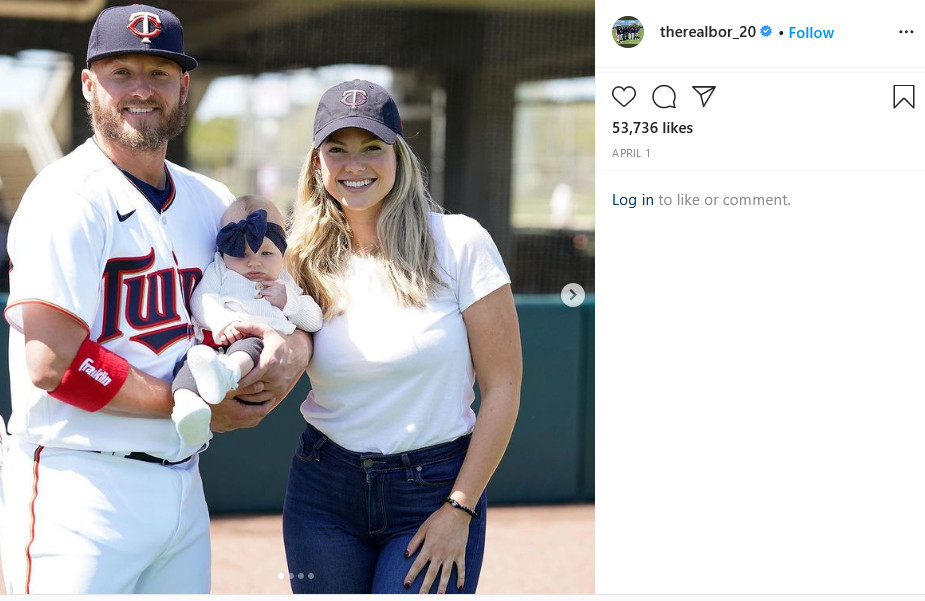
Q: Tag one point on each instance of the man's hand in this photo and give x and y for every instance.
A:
(282, 362)
(231, 414)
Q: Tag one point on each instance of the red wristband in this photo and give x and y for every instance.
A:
(93, 379)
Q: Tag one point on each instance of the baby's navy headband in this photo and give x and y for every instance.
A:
(254, 229)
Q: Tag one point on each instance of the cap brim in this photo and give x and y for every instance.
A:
(377, 128)
(187, 63)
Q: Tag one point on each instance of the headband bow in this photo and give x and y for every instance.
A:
(253, 230)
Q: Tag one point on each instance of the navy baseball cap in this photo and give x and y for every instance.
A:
(138, 29)
(357, 103)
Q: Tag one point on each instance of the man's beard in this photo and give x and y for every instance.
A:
(108, 122)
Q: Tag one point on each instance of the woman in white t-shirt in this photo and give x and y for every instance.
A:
(386, 491)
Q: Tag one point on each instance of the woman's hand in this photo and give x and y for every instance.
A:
(442, 539)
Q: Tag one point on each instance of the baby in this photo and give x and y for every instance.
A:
(245, 282)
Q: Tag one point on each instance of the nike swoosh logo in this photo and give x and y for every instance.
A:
(126, 216)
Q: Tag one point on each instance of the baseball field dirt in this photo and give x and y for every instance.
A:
(528, 550)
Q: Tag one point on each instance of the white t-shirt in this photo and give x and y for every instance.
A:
(389, 379)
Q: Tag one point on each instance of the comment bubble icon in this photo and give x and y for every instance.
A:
(664, 97)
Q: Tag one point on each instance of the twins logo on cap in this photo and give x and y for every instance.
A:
(145, 25)
(354, 98)
(357, 103)
(138, 29)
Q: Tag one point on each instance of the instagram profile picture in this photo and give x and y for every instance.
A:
(628, 32)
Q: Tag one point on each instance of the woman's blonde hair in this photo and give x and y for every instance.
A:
(320, 239)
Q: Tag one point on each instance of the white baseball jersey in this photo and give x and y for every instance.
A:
(87, 242)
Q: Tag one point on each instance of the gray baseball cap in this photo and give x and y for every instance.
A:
(138, 29)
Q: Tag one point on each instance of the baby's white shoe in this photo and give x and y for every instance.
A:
(192, 417)
(215, 374)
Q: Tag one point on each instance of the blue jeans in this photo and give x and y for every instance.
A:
(348, 517)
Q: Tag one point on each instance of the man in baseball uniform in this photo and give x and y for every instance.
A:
(101, 495)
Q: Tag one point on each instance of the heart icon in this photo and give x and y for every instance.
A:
(623, 95)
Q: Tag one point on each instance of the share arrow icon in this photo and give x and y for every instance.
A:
(705, 93)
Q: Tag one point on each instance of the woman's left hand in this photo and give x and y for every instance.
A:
(442, 539)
